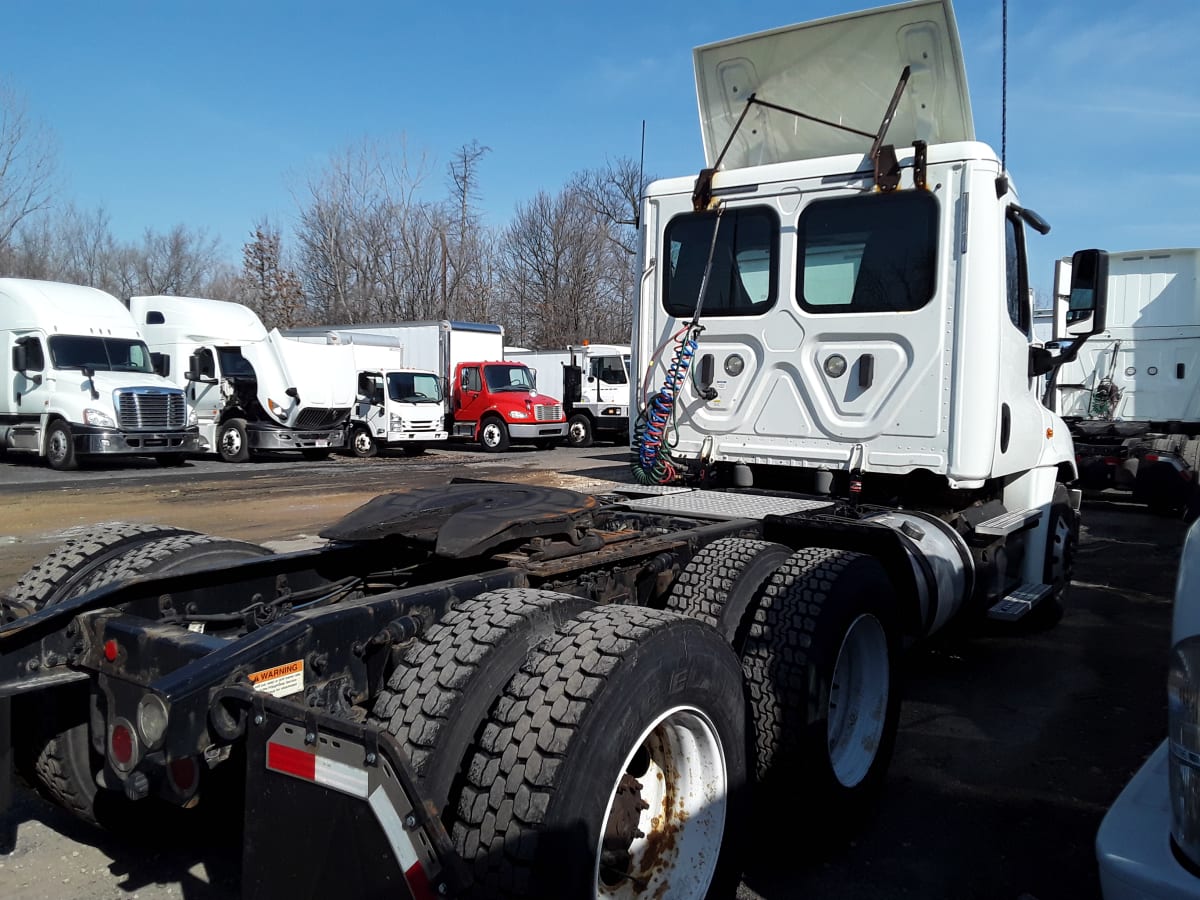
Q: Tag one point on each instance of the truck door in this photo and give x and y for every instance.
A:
(204, 390)
(470, 396)
(370, 405)
(33, 380)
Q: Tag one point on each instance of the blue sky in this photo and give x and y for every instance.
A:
(212, 114)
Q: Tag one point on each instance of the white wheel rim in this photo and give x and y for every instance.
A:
(858, 700)
(232, 441)
(491, 435)
(679, 767)
(578, 432)
(362, 441)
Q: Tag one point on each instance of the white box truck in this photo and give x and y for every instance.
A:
(252, 390)
(593, 382)
(397, 407)
(487, 399)
(78, 380)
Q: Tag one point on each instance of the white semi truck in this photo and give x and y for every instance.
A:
(252, 390)
(398, 407)
(1132, 397)
(593, 382)
(503, 690)
(78, 382)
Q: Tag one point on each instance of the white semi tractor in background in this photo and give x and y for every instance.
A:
(593, 382)
(78, 382)
(504, 690)
(251, 390)
(397, 407)
(1132, 396)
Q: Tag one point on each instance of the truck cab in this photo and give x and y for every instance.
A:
(497, 403)
(593, 382)
(251, 390)
(79, 382)
(396, 408)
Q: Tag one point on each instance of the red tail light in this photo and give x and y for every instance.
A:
(184, 773)
(122, 745)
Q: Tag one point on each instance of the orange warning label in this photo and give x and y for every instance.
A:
(280, 681)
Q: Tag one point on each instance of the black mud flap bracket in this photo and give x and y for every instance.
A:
(332, 811)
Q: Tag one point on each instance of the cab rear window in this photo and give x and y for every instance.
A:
(743, 280)
(868, 254)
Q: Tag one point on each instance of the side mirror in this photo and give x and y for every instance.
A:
(161, 363)
(1087, 301)
(20, 358)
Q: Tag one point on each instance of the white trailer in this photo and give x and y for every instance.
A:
(1131, 397)
(397, 407)
(593, 382)
(79, 382)
(252, 390)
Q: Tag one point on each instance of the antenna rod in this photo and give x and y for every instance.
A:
(1004, 87)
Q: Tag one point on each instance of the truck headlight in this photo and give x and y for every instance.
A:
(276, 410)
(517, 414)
(98, 418)
(1183, 731)
(193, 419)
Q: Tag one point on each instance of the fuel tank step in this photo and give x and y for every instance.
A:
(1008, 523)
(1019, 602)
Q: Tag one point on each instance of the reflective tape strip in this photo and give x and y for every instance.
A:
(310, 767)
(402, 845)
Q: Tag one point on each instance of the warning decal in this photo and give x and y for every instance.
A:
(280, 681)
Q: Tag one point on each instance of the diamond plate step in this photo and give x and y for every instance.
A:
(1008, 523)
(720, 505)
(1018, 602)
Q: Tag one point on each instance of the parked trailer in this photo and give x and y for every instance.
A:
(499, 690)
(78, 381)
(593, 380)
(250, 389)
(1131, 398)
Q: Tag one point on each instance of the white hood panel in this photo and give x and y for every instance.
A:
(842, 69)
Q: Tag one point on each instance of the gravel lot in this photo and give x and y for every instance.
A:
(1011, 747)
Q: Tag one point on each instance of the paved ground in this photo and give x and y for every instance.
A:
(1011, 747)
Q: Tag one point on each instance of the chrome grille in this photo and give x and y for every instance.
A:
(150, 409)
(316, 417)
(548, 413)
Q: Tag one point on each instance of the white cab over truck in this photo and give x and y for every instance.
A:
(1148, 845)
(397, 407)
(1132, 397)
(252, 390)
(78, 380)
(520, 691)
(593, 382)
(487, 399)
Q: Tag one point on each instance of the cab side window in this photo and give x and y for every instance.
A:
(471, 380)
(1015, 274)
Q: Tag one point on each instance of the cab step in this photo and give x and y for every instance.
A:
(1008, 523)
(1019, 602)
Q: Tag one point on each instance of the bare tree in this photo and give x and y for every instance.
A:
(28, 165)
(271, 289)
(179, 262)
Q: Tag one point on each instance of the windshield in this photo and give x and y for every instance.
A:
(100, 354)
(414, 387)
(508, 378)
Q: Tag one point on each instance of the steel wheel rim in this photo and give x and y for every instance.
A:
(858, 700)
(577, 432)
(231, 440)
(678, 764)
(491, 434)
(57, 451)
(362, 442)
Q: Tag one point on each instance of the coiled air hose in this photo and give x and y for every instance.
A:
(652, 444)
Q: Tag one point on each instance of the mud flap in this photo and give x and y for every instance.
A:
(328, 815)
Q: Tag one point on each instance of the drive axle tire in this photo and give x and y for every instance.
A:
(59, 754)
(720, 584)
(232, 443)
(1062, 536)
(449, 677)
(613, 765)
(821, 664)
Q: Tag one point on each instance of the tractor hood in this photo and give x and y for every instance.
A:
(842, 69)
